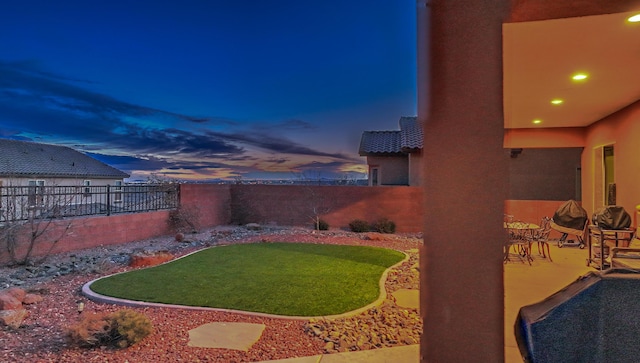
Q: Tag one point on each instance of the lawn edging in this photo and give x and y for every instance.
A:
(91, 295)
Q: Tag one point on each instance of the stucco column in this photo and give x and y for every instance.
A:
(460, 104)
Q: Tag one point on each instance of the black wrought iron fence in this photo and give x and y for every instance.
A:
(25, 202)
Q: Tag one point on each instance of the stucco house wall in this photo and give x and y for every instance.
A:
(415, 168)
(622, 130)
(392, 170)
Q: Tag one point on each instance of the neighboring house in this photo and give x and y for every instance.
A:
(29, 171)
(394, 157)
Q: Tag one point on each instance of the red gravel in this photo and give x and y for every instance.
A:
(41, 338)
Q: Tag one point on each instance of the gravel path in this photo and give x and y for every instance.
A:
(41, 338)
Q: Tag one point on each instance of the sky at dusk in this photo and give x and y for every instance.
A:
(202, 90)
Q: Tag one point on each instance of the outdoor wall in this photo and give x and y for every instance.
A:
(16, 182)
(208, 203)
(532, 211)
(211, 205)
(543, 138)
(545, 174)
(393, 170)
(89, 232)
(415, 168)
(338, 205)
(622, 130)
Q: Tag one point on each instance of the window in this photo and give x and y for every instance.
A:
(118, 191)
(374, 176)
(87, 188)
(36, 193)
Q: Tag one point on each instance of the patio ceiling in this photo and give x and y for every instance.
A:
(540, 57)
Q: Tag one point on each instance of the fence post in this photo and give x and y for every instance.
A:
(108, 200)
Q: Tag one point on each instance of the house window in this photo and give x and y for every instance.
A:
(86, 188)
(118, 191)
(374, 176)
(36, 193)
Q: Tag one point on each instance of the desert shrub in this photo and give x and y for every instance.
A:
(358, 226)
(120, 329)
(384, 225)
(321, 225)
(130, 327)
(91, 330)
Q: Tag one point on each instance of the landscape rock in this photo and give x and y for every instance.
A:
(253, 226)
(145, 259)
(32, 299)
(17, 292)
(9, 301)
(387, 325)
(13, 318)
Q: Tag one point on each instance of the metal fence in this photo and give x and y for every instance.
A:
(27, 202)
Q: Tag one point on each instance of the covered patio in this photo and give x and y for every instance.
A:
(525, 285)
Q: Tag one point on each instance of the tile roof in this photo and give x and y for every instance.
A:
(408, 139)
(24, 159)
(410, 133)
(380, 142)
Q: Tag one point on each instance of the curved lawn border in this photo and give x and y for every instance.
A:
(94, 296)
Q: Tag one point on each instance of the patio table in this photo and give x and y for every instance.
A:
(519, 233)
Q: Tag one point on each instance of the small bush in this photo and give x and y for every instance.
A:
(321, 225)
(130, 326)
(120, 329)
(384, 225)
(359, 226)
(91, 330)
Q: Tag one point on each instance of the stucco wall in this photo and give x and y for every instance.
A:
(545, 174)
(16, 182)
(622, 129)
(92, 232)
(415, 169)
(393, 170)
(213, 205)
(338, 205)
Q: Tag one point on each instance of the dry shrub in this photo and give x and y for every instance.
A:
(92, 329)
(120, 329)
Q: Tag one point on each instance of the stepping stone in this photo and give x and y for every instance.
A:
(238, 336)
(407, 298)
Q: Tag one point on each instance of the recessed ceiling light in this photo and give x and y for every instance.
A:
(634, 19)
(557, 101)
(537, 121)
(580, 76)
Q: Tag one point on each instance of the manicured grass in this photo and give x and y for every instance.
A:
(276, 278)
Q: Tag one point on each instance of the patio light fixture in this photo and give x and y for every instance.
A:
(634, 19)
(557, 101)
(537, 121)
(580, 76)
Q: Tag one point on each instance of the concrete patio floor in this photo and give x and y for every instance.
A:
(525, 285)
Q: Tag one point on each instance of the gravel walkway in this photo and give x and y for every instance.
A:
(41, 338)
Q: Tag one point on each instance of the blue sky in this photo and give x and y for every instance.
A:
(208, 89)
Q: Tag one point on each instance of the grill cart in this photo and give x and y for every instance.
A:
(570, 219)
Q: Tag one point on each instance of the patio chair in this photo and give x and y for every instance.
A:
(519, 241)
(541, 237)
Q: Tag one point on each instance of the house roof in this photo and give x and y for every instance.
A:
(380, 142)
(410, 133)
(408, 139)
(24, 159)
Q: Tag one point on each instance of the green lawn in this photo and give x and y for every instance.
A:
(276, 278)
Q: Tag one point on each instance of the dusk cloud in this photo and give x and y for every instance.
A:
(36, 104)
